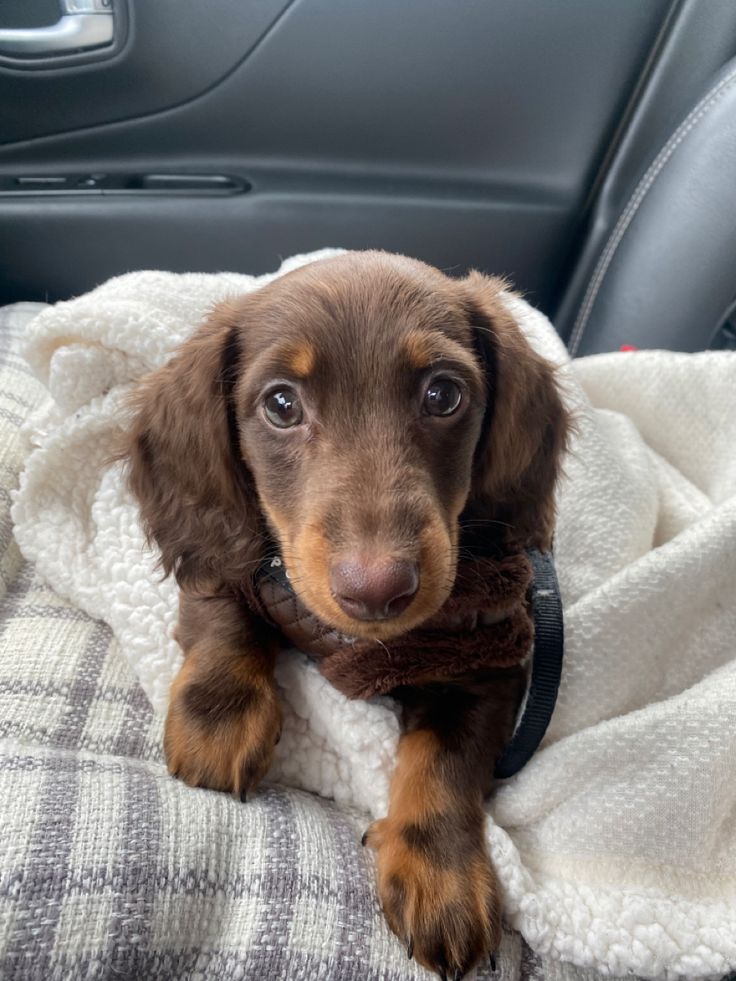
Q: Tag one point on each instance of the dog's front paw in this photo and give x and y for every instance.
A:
(221, 727)
(438, 890)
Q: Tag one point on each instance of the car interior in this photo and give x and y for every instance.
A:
(514, 137)
(582, 149)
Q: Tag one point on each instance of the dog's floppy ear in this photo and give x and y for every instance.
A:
(525, 431)
(185, 466)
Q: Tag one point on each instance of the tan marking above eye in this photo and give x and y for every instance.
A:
(425, 348)
(420, 349)
(301, 360)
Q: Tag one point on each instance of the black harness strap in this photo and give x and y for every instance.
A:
(546, 667)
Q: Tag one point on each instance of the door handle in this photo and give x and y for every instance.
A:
(83, 24)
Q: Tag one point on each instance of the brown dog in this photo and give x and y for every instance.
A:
(367, 417)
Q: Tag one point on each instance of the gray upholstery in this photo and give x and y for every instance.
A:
(667, 274)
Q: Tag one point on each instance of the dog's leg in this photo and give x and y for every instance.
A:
(224, 716)
(435, 880)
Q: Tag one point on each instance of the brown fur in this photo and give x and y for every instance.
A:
(519, 463)
(224, 716)
(368, 474)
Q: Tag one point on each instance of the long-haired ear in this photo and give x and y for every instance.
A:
(196, 494)
(525, 431)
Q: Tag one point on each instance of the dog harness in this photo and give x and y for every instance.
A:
(502, 613)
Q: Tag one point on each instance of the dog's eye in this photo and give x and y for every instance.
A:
(283, 408)
(442, 398)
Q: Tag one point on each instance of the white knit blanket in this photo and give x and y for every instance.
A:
(616, 845)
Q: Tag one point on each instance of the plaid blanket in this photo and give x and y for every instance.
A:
(111, 869)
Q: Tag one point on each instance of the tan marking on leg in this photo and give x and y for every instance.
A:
(416, 790)
(437, 887)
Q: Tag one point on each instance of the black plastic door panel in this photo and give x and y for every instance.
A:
(229, 134)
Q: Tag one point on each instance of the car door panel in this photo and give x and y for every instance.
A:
(467, 134)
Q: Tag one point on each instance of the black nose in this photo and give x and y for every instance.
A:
(375, 590)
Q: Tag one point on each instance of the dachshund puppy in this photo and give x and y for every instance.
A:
(367, 417)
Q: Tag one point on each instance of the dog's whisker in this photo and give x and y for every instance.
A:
(482, 523)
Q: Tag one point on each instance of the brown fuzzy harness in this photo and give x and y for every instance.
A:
(485, 623)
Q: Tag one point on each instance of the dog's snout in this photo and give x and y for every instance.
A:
(374, 590)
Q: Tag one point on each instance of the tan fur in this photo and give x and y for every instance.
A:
(415, 790)
(438, 889)
(224, 716)
(308, 557)
(302, 360)
(425, 347)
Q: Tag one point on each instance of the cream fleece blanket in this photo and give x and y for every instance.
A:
(616, 845)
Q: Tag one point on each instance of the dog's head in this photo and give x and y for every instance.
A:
(356, 411)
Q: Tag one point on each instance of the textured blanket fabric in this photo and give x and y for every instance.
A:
(616, 845)
(111, 870)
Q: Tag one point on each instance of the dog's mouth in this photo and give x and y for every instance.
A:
(371, 593)
(319, 634)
